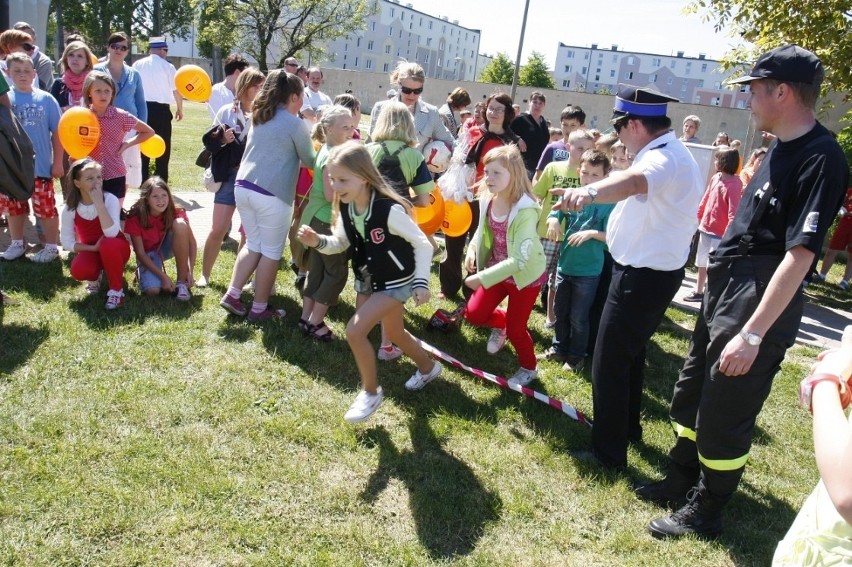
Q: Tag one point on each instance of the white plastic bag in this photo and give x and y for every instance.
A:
(211, 185)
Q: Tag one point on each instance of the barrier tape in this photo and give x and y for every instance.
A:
(568, 410)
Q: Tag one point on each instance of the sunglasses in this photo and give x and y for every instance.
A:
(619, 124)
(28, 46)
(291, 64)
(406, 90)
(118, 47)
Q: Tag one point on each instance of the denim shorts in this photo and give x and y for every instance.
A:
(225, 194)
(147, 278)
(401, 294)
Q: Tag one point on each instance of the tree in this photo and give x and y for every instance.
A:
(500, 71)
(822, 27)
(217, 26)
(292, 26)
(535, 73)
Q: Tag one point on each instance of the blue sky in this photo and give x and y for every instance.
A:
(662, 28)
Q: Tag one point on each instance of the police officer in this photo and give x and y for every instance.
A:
(753, 303)
(649, 234)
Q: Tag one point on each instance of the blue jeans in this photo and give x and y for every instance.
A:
(573, 301)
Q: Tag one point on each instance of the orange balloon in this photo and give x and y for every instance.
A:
(193, 83)
(457, 218)
(432, 226)
(153, 147)
(79, 131)
(426, 215)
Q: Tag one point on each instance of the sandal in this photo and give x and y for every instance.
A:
(323, 338)
(304, 326)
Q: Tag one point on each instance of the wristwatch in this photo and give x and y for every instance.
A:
(752, 339)
(593, 192)
(806, 389)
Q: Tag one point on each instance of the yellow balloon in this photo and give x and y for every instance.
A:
(79, 131)
(457, 218)
(193, 83)
(153, 147)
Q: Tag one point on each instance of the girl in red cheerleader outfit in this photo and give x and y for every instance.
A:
(90, 227)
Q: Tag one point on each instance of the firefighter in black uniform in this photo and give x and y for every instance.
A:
(753, 304)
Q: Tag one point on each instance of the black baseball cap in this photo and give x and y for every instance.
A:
(787, 63)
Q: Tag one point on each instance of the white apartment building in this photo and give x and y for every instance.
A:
(445, 49)
(694, 80)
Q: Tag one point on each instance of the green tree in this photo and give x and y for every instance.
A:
(500, 71)
(822, 27)
(535, 73)
(217, 26)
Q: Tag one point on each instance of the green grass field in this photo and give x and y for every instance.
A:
(175, 434)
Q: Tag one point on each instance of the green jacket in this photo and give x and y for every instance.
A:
(526, 260)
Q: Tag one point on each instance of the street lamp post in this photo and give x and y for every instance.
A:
(520, 48)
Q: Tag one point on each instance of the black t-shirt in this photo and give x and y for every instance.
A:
(535, 135)
(810, 176)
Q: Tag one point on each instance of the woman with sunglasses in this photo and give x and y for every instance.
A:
(129, 96)
(409, 79)
(15, 41)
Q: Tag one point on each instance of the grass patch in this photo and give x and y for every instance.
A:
(175, 434)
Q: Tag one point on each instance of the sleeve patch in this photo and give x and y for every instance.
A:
(811, 223)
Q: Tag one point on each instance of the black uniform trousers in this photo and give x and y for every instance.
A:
(450, 270)
(713, 414)
(160, 119)
(635, 305)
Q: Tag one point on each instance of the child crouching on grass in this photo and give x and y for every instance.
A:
(159, 230)
(390, 257)
(507, 257)
(90, 227)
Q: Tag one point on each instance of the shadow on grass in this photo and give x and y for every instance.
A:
(19, 342)
(41, 282)
(450, 506)
(137, 309)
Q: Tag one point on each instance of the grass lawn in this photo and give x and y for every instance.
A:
(175, 434)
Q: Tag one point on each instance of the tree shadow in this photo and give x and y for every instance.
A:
(450, 506)
(19, 342)
(137, 309)
(41, 282)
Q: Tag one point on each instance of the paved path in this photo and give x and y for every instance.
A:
(821, 326)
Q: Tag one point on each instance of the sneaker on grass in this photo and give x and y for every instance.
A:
(14, 251)
(496, 341)
(233, 305)
(844, 285)
(694, 297)
(183, 291)
(364, 406)
(389, 352)
(523, 377)
(45, 255)
(115, 299)
(419, 381)
(270, 313)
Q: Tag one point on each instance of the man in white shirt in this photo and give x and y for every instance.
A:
(649, 235)
(158, 82)
(223, 93)
(313, 97)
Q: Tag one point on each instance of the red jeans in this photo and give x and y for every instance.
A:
(111, 258)
(482, 311)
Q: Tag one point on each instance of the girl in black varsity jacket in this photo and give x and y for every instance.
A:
(390, 257)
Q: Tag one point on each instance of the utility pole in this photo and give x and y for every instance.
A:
(520, 48)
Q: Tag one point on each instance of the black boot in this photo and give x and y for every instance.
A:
(701, 516)
(672, 490)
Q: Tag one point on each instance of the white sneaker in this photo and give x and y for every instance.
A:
(390, 352)
(844, 285)
(93, 287)
(523, 377)
(364, 406)
(201, 282)
(183, 292)
(45, 255)
(418, 381)
(14, 251)
(115, 299)
(496, 341)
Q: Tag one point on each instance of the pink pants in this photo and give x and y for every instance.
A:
(111, 258)
(482, 311)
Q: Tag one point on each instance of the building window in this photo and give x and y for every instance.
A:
(369, 63)
(358, 42)
(612, 73)
(740, 104)
(400, 34)
(428, 42)
(426, 60)
(387, 49)
(372, 26)
(390, 32)
(430, 25)
(402, 16)
(344, 57)
(569, 53)
(670, 80)
(585, 70)
(597, 78)
(683, 89)
(653, 78)
(686, 81)
(697, 99)
(700, 83)
(567, 68)
(717, 85)
(356, 62)
(615, 58)
(631, 60)
(385, 67)
(656, 61)
(345, 47)
(704, 67)
(672, 63)
(586, 55)
(392, 12)
(566, 83)
(370, 45)
(628, 75)
(715, 101)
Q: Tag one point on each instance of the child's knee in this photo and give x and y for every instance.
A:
(152, 291)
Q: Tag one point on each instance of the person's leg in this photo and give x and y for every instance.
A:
(114, 253)
(481, 309)
(180, 246)
(377, 307)
(149, 282)
(701, 279)
(583, 290)
(273, 220)
(561, 310)
(520, 305)
(86, 266)
(162, 163)
(224, 205)
(450, 270)
(393, 323)
(249, 255)
(599, 302)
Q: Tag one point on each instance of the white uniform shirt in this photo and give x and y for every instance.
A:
(315, 99)
(655, 230)
(220, 95)
(158, 79)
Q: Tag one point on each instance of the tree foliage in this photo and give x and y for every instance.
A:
(820, 26)
(535, 73)
(217, 26)
(95, 20)
(500, 71)
(290, 26)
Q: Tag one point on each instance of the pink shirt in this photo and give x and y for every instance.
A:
(719, 204)
(115, 124)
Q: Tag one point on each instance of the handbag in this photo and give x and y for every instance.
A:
(211, 184)
(203, 159)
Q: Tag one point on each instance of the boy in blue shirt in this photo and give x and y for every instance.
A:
(38, 112)
(581, 257)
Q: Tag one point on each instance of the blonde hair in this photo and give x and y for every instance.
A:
(249, 77)
(580, 134)
(395, 123)
(354, 156)
(510, 157)
(90, 80)
(329, 117)
(406, 70)
(77, 46)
